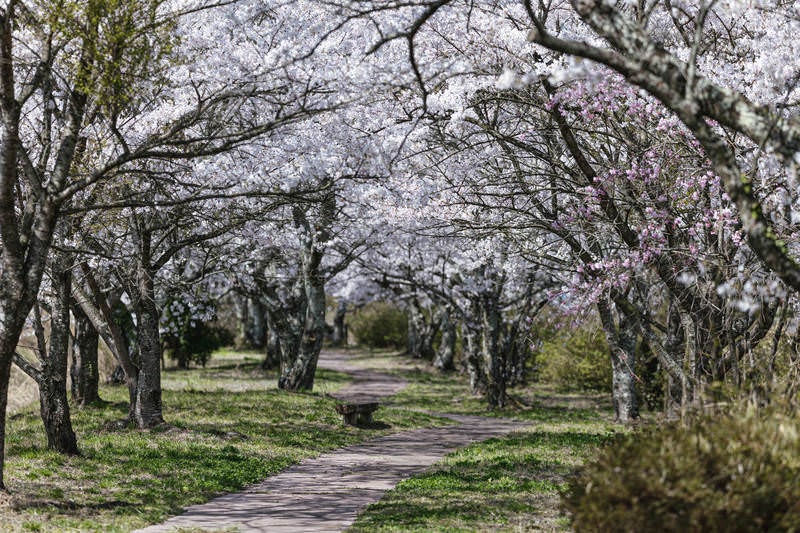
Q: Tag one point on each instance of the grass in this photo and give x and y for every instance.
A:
(228, 427)
(503, 484)
(449, 393)
(240, 371)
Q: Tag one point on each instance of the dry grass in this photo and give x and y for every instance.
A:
(23, 391)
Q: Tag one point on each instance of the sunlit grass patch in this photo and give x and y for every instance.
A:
(239, 371)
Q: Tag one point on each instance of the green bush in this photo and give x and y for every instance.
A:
(380, 325)
(187, 331)
(575, 359)
(733, 472)
(195, 344)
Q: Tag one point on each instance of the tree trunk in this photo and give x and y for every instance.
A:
(447, 346)
(673, 344)
(181, 359)
(13, 312)
(517, 359)
(623, 362)
(257, 327)
(493, 356)
(413, 336)
(290, 350)
(622, 346)
(241, 309)
(94, 303)
(18, 291)
(301, 374)
(339, 327)
(85, 373)
(53, 403)
(689, 329)
(472, 360)
(290, 331)
(8, 343)
(272, 357)
(421, 333)
(148, 411)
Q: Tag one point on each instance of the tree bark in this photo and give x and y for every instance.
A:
(148, 410)
(272, 357)
(53, 403)
(493, 356)
(290, 324)
(256, 323)
(300, 375)
(622, 346)
(623, 362)
(84, 372)
(98, 310)
(421, 333)
(412, 336)
(241, 309)
(339, 327)
(9, 335)
(447, 346)
(473, 361)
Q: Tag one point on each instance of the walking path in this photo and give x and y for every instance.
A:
(367, 384)
(328, 492)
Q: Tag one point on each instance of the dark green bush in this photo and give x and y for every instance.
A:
(575, 359)
(187, 331)
(195, 344)
(380, 325)
(732, 472)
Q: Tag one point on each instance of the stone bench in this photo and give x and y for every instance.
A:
(357, 413)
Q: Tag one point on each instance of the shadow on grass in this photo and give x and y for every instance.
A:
(375, 424)
(247, 365)
(19, 504)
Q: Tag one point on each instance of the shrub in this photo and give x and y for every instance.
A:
(187, 334)
(380, 325)
(576, 359)
(196, 343)
(733, 472)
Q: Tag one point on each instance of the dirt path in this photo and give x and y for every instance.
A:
(328, 492)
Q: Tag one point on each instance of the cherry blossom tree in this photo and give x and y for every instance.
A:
(94, 91)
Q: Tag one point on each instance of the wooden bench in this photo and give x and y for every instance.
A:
(357, 413)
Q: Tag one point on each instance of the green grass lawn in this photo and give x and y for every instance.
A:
(503, 484)
(228, 427)
(435, 391)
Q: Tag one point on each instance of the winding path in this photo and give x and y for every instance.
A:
(326, 493)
